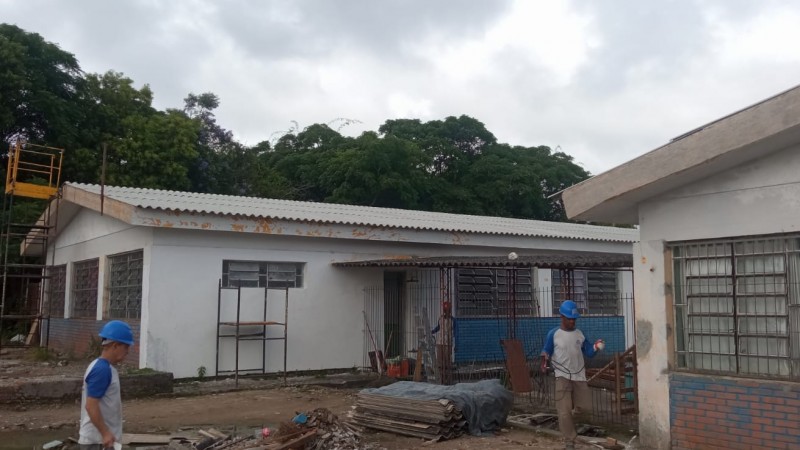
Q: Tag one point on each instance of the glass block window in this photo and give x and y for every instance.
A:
(84, 288)
(494, 291)
(595, 292)
(56, 290)
(125, 285)
(262, 274)
(737, 306)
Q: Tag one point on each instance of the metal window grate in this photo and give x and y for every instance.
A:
(272, 275)
(125, 285)
(494, 291)
(596, 293)
(56, 291)
(84, 288)
(737, 308)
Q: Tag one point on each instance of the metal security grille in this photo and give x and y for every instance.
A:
(56, 291)
(737, 306)
(272, 275)
(84, 288)
(125, 285)
(491, 292)
(596, 293)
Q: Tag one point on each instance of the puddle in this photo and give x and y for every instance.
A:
(27, 440)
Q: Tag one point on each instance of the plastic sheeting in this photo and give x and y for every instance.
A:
(484, 404)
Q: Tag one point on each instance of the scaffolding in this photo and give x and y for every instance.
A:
(33, 172)
(249, 330)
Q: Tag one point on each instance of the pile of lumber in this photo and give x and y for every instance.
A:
(429, 419)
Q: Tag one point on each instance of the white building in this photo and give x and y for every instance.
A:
(717, 277)
(157, 258)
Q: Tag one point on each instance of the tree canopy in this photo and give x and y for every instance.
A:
(452, 165)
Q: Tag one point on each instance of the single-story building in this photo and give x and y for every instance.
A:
(717, 277)
(175, 265)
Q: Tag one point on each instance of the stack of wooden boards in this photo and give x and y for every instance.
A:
(429, 419)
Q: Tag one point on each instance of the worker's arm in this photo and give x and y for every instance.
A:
(93, 409)
(548, 349)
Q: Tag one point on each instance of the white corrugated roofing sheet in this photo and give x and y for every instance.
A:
(332, 213)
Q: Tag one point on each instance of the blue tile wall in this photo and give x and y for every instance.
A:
(478, 339)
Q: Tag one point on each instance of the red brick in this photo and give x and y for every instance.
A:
(773, 400)
(788, 440)
(764, 406)
(738, 404)
(787, 424)
(786, 409)
(749, 398)
(752, 441)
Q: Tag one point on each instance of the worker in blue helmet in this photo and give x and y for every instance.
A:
(565, 348)
(101, 403)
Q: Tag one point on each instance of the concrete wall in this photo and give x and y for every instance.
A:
(759, 198)
(733, 413)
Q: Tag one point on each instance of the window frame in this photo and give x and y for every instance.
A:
(584, 292)
(84, 292)
(263, 274)
(56, 293)
(491, 283)
(131, 260)
(736, 305)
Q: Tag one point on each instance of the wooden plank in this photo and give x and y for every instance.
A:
(140, 438)
(299, 442)
(517, 366)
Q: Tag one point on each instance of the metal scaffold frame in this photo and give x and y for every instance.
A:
(256, 331)
(33, 171)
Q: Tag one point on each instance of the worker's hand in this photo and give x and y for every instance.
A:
(108, 439)
(599, 345)
(544, 365)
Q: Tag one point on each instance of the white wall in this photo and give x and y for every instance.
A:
(90, 235)
(762, 197)
(325, 319)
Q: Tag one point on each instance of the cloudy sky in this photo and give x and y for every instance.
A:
(603, 81)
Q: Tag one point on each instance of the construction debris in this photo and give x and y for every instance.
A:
(434, 420)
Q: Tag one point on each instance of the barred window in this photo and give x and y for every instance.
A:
(262, 274)
(494, 291)
(737, 306)
(84, 288)
(595, 292)
(56, 290)
(125, 285)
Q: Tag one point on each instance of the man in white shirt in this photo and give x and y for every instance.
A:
(101, 403)
(565, 347)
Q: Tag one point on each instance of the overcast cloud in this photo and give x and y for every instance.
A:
(603, 81)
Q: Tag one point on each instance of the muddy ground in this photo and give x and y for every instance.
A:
(242, 411)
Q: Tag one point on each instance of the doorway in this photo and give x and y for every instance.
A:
(393, 304)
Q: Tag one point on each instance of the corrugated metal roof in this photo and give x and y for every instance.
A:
(355, 215)
(553, 261)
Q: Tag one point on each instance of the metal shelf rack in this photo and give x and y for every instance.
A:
(250, 330)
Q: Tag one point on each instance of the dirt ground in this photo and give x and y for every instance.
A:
(241, 411)
(246, 411)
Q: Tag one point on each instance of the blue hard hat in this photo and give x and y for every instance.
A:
(118, 331)
(569, 310)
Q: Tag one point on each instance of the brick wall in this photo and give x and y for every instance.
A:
(709, 412)
(74, 336)
(478, 339)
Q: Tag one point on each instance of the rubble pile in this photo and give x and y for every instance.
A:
(319, 429)
(429, 419)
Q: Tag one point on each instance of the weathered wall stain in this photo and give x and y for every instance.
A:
(644, 337)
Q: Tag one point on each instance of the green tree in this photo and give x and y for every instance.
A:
(155, 151)
(39, 86)
(384, 172)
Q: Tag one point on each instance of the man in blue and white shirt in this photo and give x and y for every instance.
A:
(565, 347)
(101, 403)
